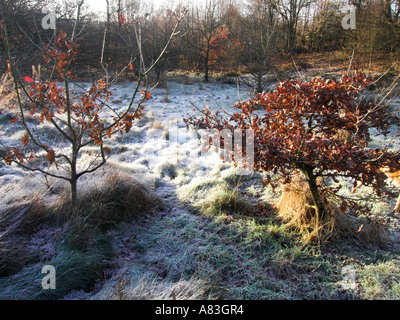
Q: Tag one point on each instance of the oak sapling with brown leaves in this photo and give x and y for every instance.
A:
(299, 127)
(76, 122)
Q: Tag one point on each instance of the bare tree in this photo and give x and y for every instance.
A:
(203, 25)
(324, 30)
(262, 41)
(290, 11)
(156, 31)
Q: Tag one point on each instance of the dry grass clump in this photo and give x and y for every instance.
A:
(168, 170)
(361, 230)
(222, 200)
(295, 208)
(119, 198)
(31, 238)
(7, 94)
(374, 234)
(147, 287)
(157, 125)
(13, 255)
(73, 239)
(16, 224)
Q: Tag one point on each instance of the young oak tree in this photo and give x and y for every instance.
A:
(301, 128)
(76, 122)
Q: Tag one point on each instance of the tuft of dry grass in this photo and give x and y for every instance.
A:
(147, 287)
(374, 234)
(119, 198)
(16, 225)
(295, 208)
(7, 94)
(74, 239)
(157, 125)
(222, 200)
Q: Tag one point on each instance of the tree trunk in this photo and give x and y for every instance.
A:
(291, 38)
(107, 43)
(259, 82)
(206, 69)
(74, 191)
(73, 177)
(312, 183)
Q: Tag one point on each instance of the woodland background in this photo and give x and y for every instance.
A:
(261, 37)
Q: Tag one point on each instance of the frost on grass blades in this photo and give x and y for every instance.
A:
(229, 146)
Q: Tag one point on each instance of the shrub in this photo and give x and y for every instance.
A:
(298, 130)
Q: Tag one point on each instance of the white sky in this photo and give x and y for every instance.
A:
(100, 5)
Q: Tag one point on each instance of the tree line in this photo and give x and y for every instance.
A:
(216, 35)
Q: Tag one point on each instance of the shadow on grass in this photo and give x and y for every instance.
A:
(211, 241)
(74, 240)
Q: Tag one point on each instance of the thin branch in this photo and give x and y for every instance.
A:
(29, 38)
(36, 169)
(80, 4)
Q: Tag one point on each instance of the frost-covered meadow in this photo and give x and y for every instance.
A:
(158, 139)
(213, 234)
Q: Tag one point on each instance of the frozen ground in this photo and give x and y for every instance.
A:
(160, 152)
(149, 145)
(168, 254)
